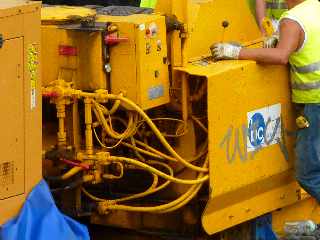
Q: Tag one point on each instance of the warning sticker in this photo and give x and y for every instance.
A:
(33, 63)
(264, 127)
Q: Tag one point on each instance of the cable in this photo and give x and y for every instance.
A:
(110, 176)
(168, 207)
(152, 189)
(114, 107)
(157, 132)
(103, 145)
(183, 124)
(73, 171)
(109, 130)
(159, 173)
(156, 151)
(133, 142)
(150, 154)
(201, 125)
(99, 114)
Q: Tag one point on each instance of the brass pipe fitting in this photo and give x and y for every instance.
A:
(61, 115)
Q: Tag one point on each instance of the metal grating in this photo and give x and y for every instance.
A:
(6, 173)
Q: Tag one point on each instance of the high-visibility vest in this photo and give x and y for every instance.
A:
(148, 3)
(275, 8)
(305, 62)
(252, 6)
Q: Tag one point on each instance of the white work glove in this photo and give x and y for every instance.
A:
(271, 42)
(228, 51)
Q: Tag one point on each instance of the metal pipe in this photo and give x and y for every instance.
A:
(185, 97)
(88, 123)
(61, 114)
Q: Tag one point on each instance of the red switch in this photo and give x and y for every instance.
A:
(112, 39)
(66, 50)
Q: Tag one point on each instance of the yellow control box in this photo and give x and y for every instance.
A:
(139, 66)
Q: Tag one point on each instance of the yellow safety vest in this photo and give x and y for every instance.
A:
(148, 3)
(275, 8)
(305, 63)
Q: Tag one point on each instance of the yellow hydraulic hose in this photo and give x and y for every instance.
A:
(127, 133)
(133, 142)
(94, 198)
(156, 209)
(73, 171)
(179, 202)
(131, 126)
(109, 130)
(99, 114)
(113, 109)
(202, 152)
(157, 154)
(103, 145)
(110, 176)
(152, 189)
(150, 154)
(157, 132)
(159, 173)
(183, 124)
(165, 156)
(185, 201)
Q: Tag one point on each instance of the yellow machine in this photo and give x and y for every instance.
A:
(138, 118)
(20, 89)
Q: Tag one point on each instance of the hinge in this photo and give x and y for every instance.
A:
(1, 40)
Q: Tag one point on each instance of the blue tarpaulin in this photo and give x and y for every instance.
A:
(40, 219)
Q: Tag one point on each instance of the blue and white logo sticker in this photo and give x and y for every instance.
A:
(264, 127)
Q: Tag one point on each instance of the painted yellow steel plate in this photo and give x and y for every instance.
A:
(63, 14)
(251, 137)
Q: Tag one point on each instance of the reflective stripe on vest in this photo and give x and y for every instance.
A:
(276, 5)
(305, 86)
(306, 69)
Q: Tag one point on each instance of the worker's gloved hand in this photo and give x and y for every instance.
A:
(271, 42)
(227, 51)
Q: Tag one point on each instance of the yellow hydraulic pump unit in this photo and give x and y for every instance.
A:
(142, 129)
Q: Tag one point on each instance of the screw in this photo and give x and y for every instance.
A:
(225, 24)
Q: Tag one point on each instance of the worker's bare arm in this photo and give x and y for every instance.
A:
(291, 38)
(260, 13)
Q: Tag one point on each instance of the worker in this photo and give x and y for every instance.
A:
(148, 3)
(298, 45)
(273, 9)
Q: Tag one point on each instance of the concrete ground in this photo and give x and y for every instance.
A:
(106, 233)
